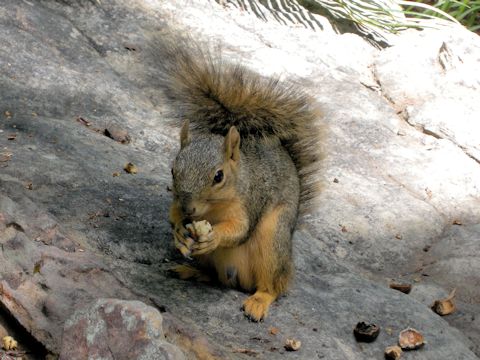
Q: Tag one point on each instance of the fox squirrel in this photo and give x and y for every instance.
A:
(248, 154)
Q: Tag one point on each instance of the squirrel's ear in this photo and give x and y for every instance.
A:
(185, 134)
(232, 144)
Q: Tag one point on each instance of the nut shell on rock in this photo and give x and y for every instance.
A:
(292, 344)
(445, 306)
(9, 343)
(393, 352)
(410, 339)
(130, 168)
(366, 332)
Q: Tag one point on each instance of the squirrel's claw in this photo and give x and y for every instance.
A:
(186, 252)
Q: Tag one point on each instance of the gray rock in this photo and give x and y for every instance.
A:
(437, 90)
(71, 232)
(116, 329)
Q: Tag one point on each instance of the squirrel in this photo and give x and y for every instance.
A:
(247, 162)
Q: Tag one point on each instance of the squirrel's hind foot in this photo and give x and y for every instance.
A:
(188, 272)
(255, 307)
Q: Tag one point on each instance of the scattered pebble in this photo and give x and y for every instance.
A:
(292, 345)
(117, 134)
(83, 121)
(402, 287)
(429, 193)
(245, 351)
(37, 267)
(273, 330)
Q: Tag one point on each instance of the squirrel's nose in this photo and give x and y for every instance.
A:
(186, 203)
(189, 211)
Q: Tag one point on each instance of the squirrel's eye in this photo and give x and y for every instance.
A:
(218, 177)
(171, 170)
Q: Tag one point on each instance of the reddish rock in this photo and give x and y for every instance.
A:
(116, 329)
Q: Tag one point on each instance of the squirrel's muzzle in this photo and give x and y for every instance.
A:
(186, 203)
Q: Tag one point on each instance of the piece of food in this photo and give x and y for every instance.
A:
(9, 343)
(273, 330)
(202, 227)
(410, 339)
(199, 228)
(393, 352)
(292, 344)
(445, 306)
(130, 168)
(366, 332)
(403, 287)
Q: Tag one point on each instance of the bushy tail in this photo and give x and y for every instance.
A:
(214, 95)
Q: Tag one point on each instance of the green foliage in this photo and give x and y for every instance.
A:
(379, 19)
(467, 12)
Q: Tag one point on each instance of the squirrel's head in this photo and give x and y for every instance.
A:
(205, 171)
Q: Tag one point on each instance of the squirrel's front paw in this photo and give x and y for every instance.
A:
(183, 241)
(205, 244)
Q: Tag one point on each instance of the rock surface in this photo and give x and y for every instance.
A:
(116, 329)
(401, 195)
